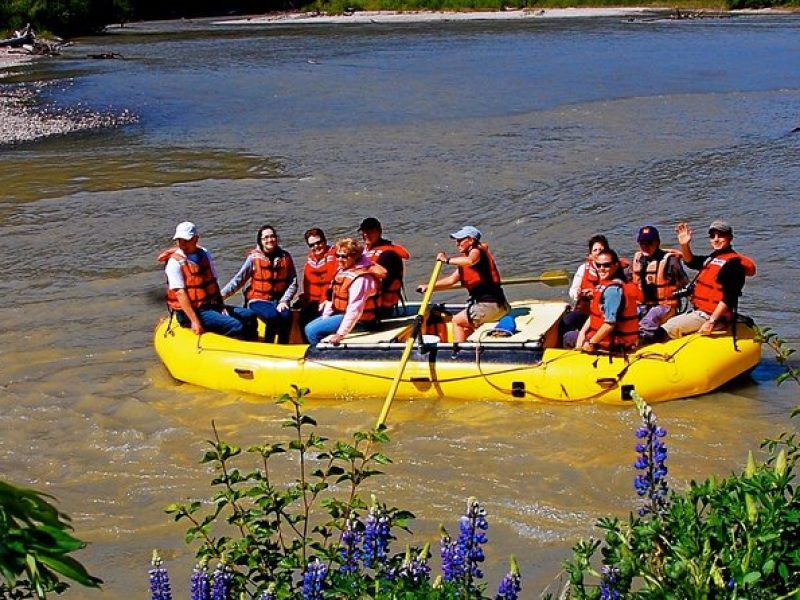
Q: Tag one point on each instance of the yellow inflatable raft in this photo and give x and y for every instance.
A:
(525, 366)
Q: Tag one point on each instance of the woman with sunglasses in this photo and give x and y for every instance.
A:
(581, 289)
(718, 285)
(352, 295)
(318, 274)
(269, 279)
(613, 323)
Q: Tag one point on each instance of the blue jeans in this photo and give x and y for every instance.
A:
(277, 322)
(239, 323)
(322, 327)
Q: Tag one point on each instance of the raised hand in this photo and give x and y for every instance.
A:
(684, 233)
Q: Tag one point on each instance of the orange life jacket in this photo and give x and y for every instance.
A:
(655, 274)
(625, 336)
(340, 289)
(392, 285)
(200, 284)
(318, 274)
(707, 293)
(271, 276)
(589, 280)
(482, 279)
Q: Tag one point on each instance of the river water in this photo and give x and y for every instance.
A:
(541, 133)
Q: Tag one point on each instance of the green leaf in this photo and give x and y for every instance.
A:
(71, 568)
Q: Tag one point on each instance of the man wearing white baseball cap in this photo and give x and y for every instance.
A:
(477, 272)
(193, 292)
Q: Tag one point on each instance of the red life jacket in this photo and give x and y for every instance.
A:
(707, 293)
(655, 274)
(318, 274)
(482, 279)
(271, 276)
(200, 284)
(625, 336)
(392, 285)
(340, 289)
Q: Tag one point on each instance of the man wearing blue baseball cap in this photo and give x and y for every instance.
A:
(477, 271)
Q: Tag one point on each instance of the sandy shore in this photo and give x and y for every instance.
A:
(423, 16)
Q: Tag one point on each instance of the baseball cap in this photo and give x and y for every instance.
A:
(465, 232)
(648, 233)
(185, 231)
(721, 226)
(369, 224)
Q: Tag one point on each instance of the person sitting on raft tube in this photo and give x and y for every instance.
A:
(582, 287)
(193, 292)
(716, 289)
(269, 279)
(477, 271)
(318, 274)
(613, 323)
(657, 274)
(389, 256)
(353, 295)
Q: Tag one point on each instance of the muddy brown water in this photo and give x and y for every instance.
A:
(541, 134)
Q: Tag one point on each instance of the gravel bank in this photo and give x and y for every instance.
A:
(25, 117)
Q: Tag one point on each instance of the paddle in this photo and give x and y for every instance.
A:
(418, 324)
(551, 278)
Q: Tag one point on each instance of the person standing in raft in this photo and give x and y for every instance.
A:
(389, 256)
(658, 275)
(613, 323)
(193, 293)
(270, 282)
(716, 289)
(353, 293)
(318, 273)
(477, 271)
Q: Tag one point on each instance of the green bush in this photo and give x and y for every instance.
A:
(315, 537)
(35, 545)
(738, 537)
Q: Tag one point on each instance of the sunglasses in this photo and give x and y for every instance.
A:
(342, 256)
(715, 234)
(317, 243)
(603, 265)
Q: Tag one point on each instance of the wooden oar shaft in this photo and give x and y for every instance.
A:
(423, 308)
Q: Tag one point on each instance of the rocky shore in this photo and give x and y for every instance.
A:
(24, 117)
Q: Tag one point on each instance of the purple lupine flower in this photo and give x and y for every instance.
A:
(223, 583)
(414, 569)
(609, 579)
(651, 483)
(471, 537)
(349, 553)
(314, 580)
(511, 585)
(199, 583)
(377, 534)
(159, 580)
(452, 558)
